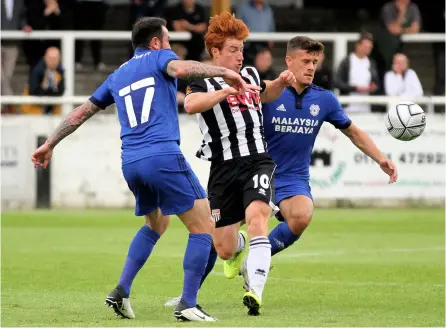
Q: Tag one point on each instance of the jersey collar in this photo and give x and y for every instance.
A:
(299, 96)
(139, 50)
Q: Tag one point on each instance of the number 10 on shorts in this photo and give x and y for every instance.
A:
(263, 180)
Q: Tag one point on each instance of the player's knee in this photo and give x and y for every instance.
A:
(157, 222)
(299, 220)
(257, 216)
(225, 253)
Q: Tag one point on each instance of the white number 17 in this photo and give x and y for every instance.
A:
(147, 83)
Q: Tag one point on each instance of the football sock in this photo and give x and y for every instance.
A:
(240, 244)
(258, 263)
(194, 265)
(210, 265)
(139, 251)
(281, 237)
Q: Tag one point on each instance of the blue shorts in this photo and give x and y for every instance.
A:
(289, 187)
(163, 181)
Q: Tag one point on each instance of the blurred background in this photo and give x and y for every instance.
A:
(57, 52)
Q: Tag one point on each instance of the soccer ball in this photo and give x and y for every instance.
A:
(405, 121)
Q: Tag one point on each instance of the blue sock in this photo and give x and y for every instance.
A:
(194, 265)
(211, 262)
(281, 237)
(139, 251)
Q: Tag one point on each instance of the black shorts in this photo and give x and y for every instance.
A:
(235, 183)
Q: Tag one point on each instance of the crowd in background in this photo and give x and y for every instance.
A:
(376, 66)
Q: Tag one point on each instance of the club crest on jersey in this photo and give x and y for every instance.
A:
(216, 215)
(314, 109)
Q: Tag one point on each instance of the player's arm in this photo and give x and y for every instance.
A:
(192, 70)
(74, 120)
(359, 138)
(199, 102)
(275, 88)
(363, 142)
(100, 99)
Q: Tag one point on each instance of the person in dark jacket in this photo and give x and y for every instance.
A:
(357, 73)
(47, 77)
(323, 76)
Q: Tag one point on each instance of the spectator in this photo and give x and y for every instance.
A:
(90, 15)
(264, 64)
(323, 76)
(188, 16)
(47, 77)
(181, 52)
(144, 8)
(398, 17)
(13, 15)
(259, 17)
(42, 15)
(357, 74)
(402, 80)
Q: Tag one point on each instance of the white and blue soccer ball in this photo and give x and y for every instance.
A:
(405, 121)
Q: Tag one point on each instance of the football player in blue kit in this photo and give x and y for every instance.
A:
(163, 183)
(292, 123)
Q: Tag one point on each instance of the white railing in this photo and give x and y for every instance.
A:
(339, 40)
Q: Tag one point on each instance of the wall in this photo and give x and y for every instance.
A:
(86, 167)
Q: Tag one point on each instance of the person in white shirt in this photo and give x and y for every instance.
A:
(401, 80)
(357, 74)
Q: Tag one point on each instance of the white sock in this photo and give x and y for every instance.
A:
(258, 263)
(241, 243)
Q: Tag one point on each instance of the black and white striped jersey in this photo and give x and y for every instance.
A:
(234, 127)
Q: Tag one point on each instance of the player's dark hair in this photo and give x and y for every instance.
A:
(145, 29)
(304, 43)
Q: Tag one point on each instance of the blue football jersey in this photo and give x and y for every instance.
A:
(145, 98)
(291, 124)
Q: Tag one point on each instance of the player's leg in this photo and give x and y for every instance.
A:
(296, 210)
(226, 201)
(226, 245)
(259, 257)
(258, 200)
(180, 193)
(139, 251)
(137, 175)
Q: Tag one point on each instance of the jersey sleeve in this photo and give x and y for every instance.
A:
(102, 97)
(165, 56)
(337, 116)
(251, 76)
(196, 86)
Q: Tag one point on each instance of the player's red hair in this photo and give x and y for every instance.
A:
(222, 27)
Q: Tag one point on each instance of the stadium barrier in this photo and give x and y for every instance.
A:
(68, 38)
(86, 167)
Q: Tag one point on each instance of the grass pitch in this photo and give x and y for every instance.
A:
(351, 268)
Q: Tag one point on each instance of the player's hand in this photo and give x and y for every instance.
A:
(42, 156)
(231, 91)
(390, 169)
(287, 78)
(235, 80)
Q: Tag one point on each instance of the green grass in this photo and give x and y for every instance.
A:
(351, 268)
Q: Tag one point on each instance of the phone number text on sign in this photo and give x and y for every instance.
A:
(418, 158)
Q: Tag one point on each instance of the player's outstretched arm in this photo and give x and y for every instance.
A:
(275, 88)
(193, 70)
(76, 118)
(73, 120)
(363, 141)
(200, 102)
